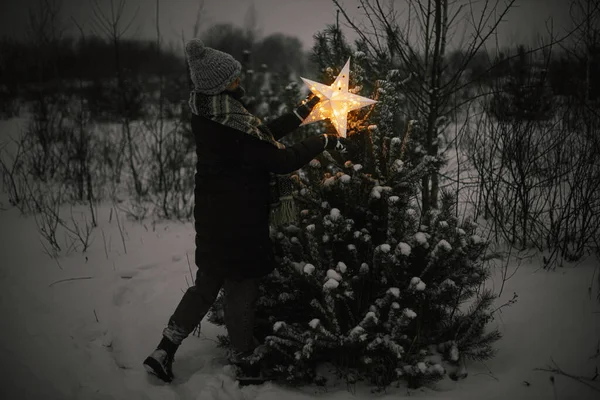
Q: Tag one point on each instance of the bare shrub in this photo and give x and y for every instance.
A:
(172, 170)
(128, 96)
(10, 165)
(538, 180)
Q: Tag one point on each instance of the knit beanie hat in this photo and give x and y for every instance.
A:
(212, 71)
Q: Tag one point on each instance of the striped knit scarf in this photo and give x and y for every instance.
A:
(226, 110)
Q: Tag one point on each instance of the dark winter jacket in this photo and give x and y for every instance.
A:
(232, 193)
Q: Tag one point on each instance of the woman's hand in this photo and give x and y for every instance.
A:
(306, 106)
(337, 143)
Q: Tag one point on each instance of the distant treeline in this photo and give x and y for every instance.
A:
(91, 58)
(33, 68)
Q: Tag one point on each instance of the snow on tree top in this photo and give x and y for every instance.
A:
(309, 269)
(443, 224)
(314, 163)
(421, 238)
(395, 306)
(284, 297)
(278, 325)
(417, 283)
(345, 178)
(436, 369)
(394, 291)
(293, 229)
(393, 199)
(377, 190)
(329, 181)
(364, 268)
(331, 284)
(454, 354)
(311, 227)
(443, 244)
(384, 248)
(357, 330)
(476, 239)
(371, 316)
(403, 248)
(332, 274)
(357, 167)
(298, 266)
(342, 267)
(334, 214)
(408, 313)
(398, 165)
(448, 282)
(314, 323)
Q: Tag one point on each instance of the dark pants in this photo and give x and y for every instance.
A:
(240, 300)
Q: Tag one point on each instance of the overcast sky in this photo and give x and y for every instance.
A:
(301, 18)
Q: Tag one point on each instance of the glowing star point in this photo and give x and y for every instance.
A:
(336, 101)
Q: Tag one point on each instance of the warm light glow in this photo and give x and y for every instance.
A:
(336, 102)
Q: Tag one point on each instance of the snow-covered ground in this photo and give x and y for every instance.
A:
(80, 326)
(86, 338)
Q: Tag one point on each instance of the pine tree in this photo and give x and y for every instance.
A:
(364, 282)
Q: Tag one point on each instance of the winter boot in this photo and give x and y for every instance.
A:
(248, 371)
(160, 362)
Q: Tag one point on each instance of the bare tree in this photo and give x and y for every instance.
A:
(195, 33)
(170, 185)
(46, 29)
(251, 25)
(537, 166)
(83, 144)
(419, 47)
(111, 25)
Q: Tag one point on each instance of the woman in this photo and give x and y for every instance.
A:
(237, 194)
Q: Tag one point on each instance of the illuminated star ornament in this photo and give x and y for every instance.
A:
(336, 102)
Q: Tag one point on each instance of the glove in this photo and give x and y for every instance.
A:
(334, 142)
(306, 106)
